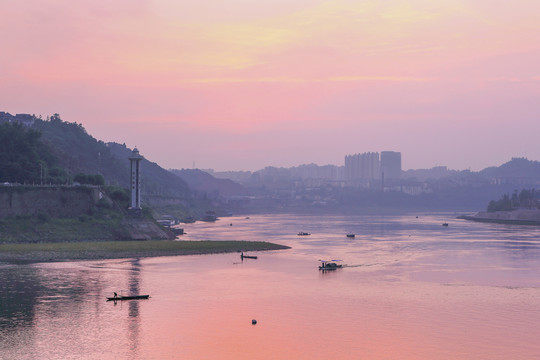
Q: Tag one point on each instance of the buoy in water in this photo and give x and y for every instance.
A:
(253, 322)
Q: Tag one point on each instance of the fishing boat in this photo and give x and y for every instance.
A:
(188, 220)
(330, 265)
(445, 224)
(130, 297)
(301, 233)
(210, 216)
(242, 256)
(178, 231)
(350, 235)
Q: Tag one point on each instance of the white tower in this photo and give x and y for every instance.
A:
(135, 161)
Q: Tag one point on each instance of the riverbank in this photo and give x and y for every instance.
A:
(44, 229)
(52, 252)
(514, 217)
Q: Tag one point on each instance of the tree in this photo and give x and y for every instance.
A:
(22, 155)
(525, 198)
(90, 179)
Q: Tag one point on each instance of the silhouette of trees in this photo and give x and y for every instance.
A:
(23, 158)
(525, 199)
(90, 179)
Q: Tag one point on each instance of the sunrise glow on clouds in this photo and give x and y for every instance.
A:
(238, 84)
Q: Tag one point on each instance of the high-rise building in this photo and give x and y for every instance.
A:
(390, 164)
(362, 166)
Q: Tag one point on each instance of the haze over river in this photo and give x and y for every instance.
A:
(413, 289)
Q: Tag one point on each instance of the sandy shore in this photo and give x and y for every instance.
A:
(50, 252)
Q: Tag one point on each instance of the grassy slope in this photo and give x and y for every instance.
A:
(31, 230)
(124, 249)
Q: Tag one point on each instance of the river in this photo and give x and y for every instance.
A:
(411, 289)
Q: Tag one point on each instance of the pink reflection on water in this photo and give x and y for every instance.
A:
(468, 292)
(348, 314)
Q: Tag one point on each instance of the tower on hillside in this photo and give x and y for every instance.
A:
(135, 160)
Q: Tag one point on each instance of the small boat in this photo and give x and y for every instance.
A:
(210, 216)
(445, 224)
(301, 233)
(350, 235)
(242, 256)
(330, 265)
(178, 231)
(131, 297)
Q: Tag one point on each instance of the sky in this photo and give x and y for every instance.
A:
(244, 84)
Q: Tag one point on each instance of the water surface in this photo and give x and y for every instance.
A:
(413, 290)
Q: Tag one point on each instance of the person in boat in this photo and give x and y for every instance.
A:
(115, 295)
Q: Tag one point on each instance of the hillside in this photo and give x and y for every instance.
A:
(79, 152)
(515, 168)
(205, 183)
(54, 151)
(23, 156)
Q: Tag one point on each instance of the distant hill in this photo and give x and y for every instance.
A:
(515, 168)
(437, 172)
(203, 182)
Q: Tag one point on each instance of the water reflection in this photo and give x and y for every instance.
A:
(134, 321)
(19, 290)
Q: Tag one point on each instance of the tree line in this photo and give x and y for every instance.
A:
(524, 199)
(25, 159)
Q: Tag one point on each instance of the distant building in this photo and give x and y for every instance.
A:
(362, 166)
(5, 117)
(312, 171)
(24, 119)
(390, 164)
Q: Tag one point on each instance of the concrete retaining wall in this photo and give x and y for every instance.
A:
(56, 201)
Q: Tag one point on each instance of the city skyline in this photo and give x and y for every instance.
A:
(239, 85)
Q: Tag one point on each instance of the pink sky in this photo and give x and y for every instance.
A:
(243, 84)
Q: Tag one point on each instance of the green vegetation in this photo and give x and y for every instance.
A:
(54, 151)
(81, 154)
(25, 159)
(89, 179)
(124, 249)
(525, 199)
(43, 228)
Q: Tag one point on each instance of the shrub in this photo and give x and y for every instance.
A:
(103, 204)
(120, 195)
(44, 217)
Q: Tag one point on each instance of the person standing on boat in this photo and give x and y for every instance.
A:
(115, 295)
